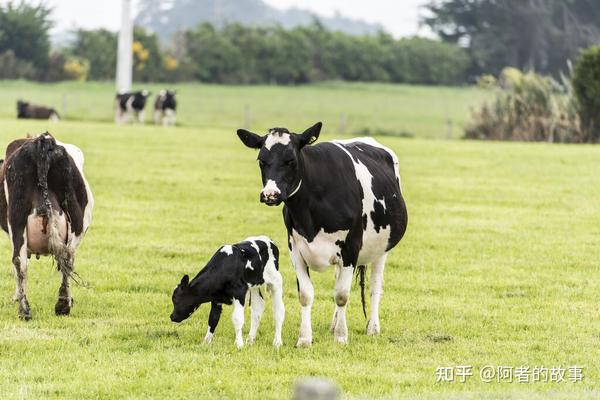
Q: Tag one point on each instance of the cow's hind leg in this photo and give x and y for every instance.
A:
(64, 259)
(373, 327)
(19, 260)
(343, 284)
(257, 307)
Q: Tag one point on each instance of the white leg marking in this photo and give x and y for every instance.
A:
(306, 295)
(343, 284)
(257, 306)
(278, 310)
(208, 337)
(373, 327)
(237, 318)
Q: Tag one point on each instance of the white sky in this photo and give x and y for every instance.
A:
(400, 17)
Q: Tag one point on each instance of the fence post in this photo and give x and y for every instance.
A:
(64, 106)
(342, 127)
(450, 127)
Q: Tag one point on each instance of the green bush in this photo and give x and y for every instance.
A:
(586, 85)
(529, 109)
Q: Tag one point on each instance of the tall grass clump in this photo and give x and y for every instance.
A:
(527, 107)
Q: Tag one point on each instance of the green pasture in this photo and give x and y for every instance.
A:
(499, 266)
(393, 109)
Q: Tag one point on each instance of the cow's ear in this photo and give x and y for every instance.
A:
(250, 139)
(310, 135)
(185, 281)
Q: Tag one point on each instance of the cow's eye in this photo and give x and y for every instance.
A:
(290, 162)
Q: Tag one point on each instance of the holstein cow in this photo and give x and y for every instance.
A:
(131, 104)
(343, 207)
(165, 108)
(233, 271)
(46, 208)
(29, 111)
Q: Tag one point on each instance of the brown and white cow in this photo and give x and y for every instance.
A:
(46, 208)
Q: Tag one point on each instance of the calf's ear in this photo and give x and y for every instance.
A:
(311, 135)
(250, 139)
(185, 281)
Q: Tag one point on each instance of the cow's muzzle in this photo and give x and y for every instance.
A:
(271, 199)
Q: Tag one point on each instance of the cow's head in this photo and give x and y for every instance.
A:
(169, 99)
(279, 160)
(22, 108)
(184, 301)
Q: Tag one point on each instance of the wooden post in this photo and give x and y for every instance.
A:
(342, 127)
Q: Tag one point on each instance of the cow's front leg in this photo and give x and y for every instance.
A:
(343, 284)
(213, 321)
(306, 294)
(237, 318)
(65, 261)
(257, 307)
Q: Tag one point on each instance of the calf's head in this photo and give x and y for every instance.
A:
(184, 301)
(279, 160)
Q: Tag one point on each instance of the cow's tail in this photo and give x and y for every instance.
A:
(360, 274)
(46, 153)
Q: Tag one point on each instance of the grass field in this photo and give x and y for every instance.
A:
(400, 109)
(499, 267)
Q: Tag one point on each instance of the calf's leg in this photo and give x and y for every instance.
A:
(257, 307)
(213, 321)
(237, 318)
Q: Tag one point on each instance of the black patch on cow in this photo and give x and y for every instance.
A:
(138, 102)
(165, 101)
(26, 110)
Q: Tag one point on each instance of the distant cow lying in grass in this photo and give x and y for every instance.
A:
(131, 105)
(165, 108)
(229, 275)
(30, 111)
(45, 207)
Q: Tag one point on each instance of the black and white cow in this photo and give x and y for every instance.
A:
(232, 272)
(131, 105)
(343, 207)
(165, 108)
(26, 110)
(46, 208)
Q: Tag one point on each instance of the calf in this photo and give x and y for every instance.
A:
(131, 105)
(231, 273)
(30, 111)
(46, 208)
(342, 206)
(165, 108)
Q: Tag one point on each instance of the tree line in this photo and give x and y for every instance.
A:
(477, 37)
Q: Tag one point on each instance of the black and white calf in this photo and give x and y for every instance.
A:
(46, 208)
(343, 207)
(232, 272)
(165, 108)
(26, 110)
(131, 105)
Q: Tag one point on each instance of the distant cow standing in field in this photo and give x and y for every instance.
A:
(165, 108)
(343, 207)
(131, 105)
(30, 111)
(46, 208)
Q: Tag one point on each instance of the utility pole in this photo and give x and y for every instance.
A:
(125, 54)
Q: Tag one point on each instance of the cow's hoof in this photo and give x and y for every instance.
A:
(304, 342)
(239, 343)
(341, 339)
(373, 328)
(24, 310)
(250, 340)
(208, 338)
(277, 343)
(63, 306)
